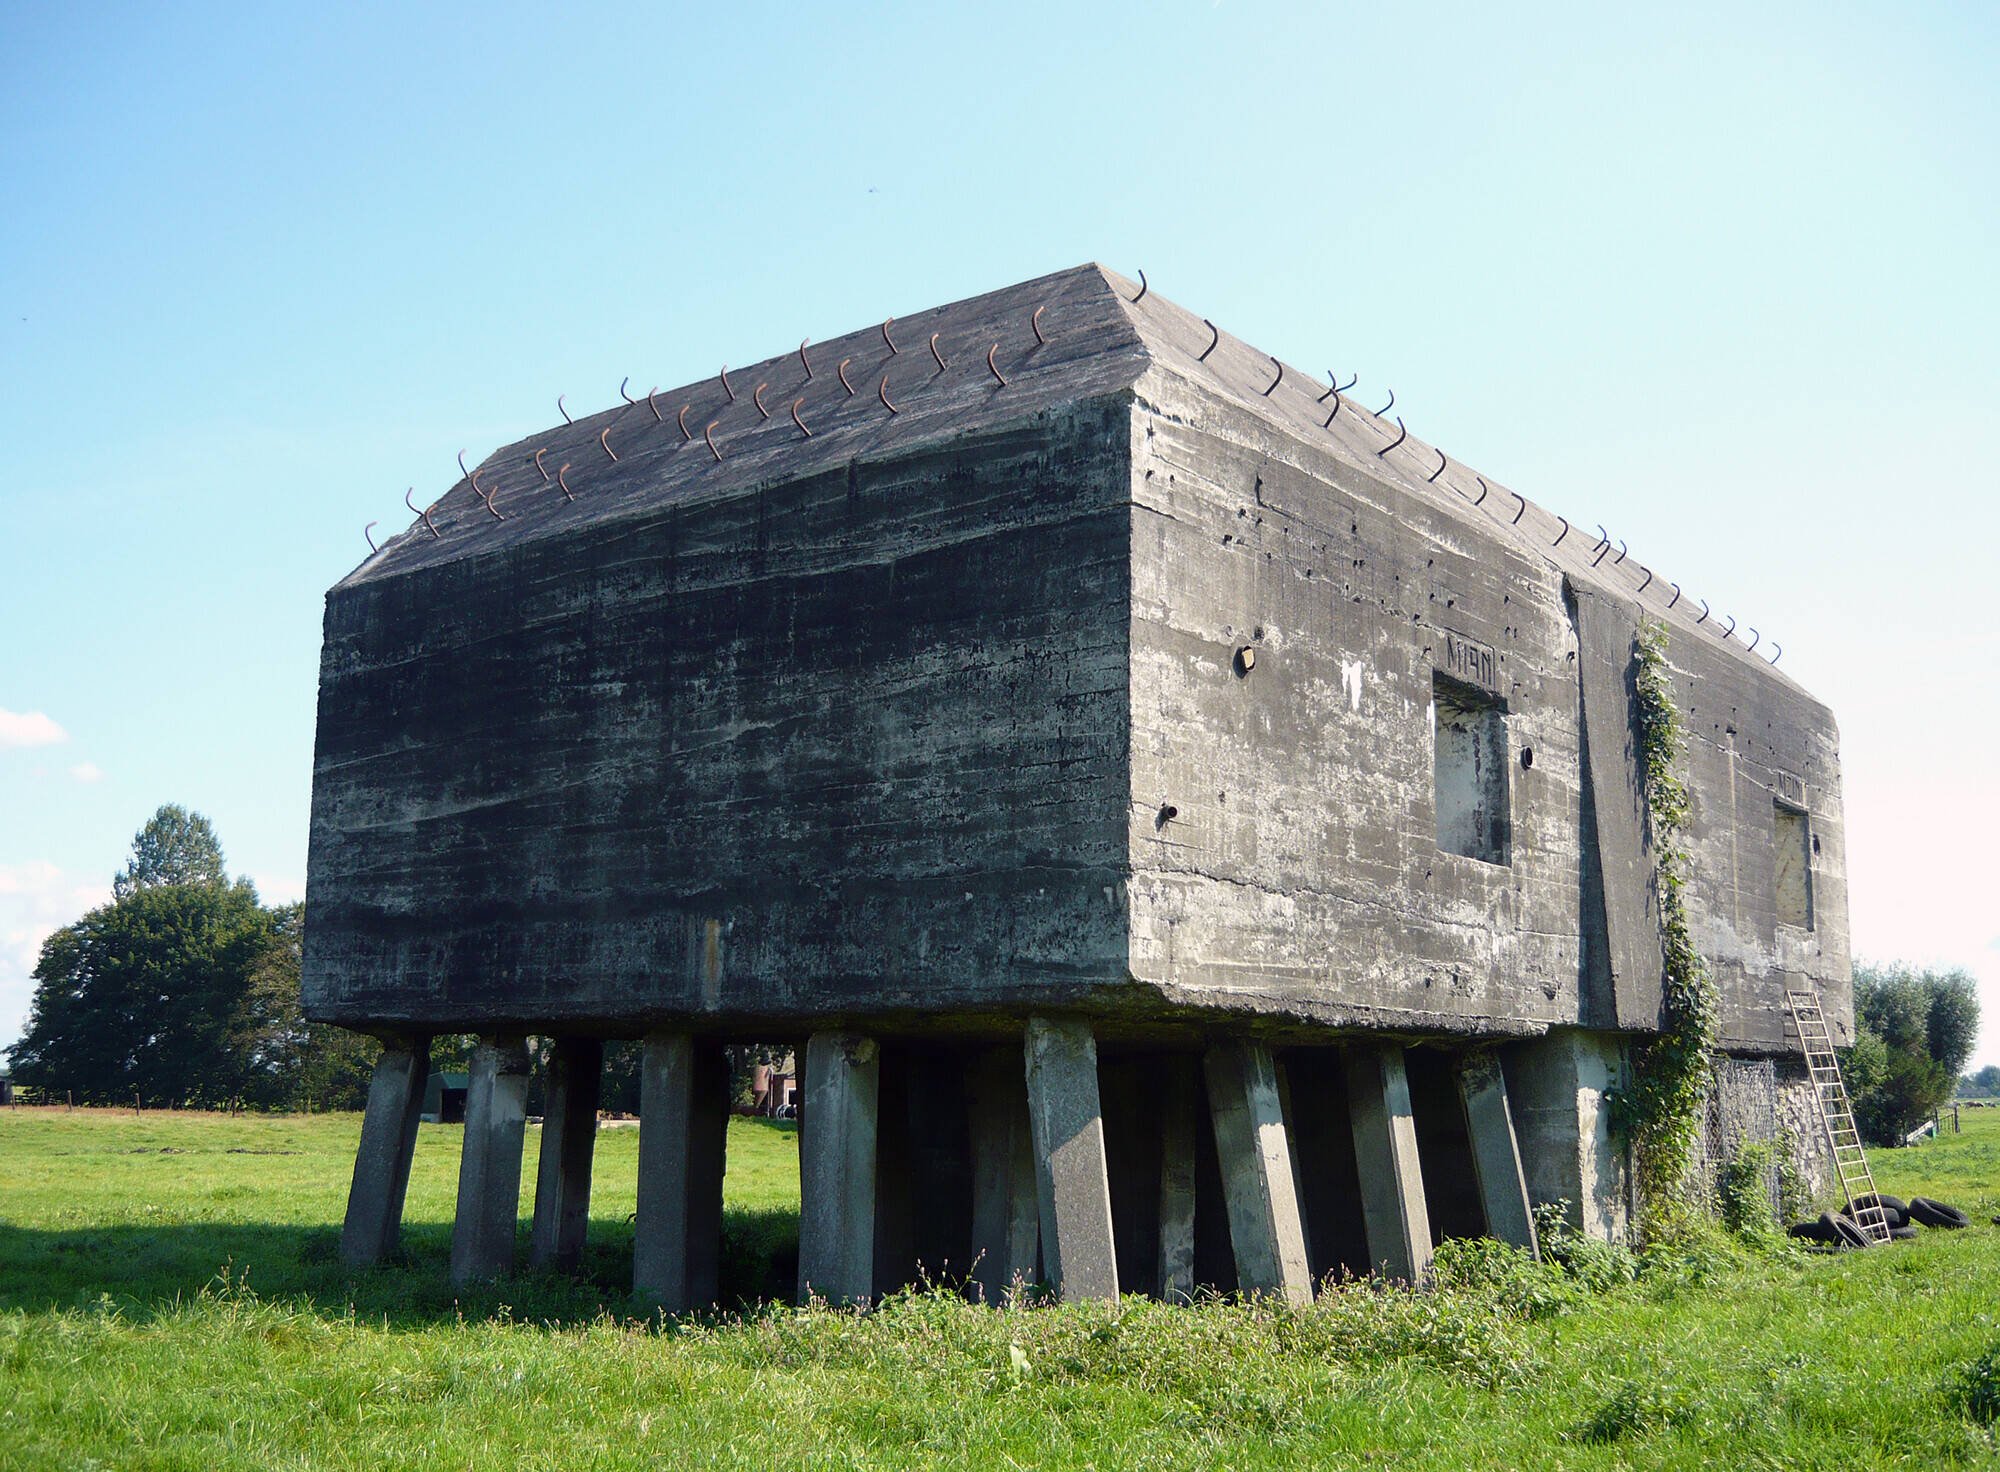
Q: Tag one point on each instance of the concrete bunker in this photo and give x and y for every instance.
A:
(1018, 707)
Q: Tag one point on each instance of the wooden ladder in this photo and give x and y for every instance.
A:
(1836, 1116)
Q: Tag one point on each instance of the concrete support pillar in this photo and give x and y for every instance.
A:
(489, 1169)
(1006, 1210)
(374, 1222)
(1073, 1184)
(569, 1136)
(1257, 1172)
(1180, 1097)
(837, 1168)
(1559, 1087)
(1385, 1154)
(683, 1132)
(1496, 1157)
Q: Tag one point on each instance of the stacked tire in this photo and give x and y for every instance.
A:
(1841, 1229)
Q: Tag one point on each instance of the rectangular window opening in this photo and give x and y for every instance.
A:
(1793, 831)
(1469, 743)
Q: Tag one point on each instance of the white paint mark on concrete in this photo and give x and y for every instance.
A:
(1350, 676)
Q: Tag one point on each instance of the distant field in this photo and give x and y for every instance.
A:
(170, 1297)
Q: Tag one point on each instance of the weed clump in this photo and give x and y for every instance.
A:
(1743, 1191)
(1975, 1389)
(1597, 1266)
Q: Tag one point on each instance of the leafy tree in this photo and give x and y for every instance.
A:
(175, 847)
(184, 989)
(1987, 1080)
(1913, 1032)
(285, 1060)
(139, 997)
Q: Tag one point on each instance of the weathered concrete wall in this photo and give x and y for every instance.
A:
(1301, 874)
(1294, 622)
(1753, 1100)
(850, 743)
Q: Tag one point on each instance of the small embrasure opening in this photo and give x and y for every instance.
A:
(1792, 829)
(1469, 742)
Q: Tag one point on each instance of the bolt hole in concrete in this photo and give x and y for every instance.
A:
(1168, 812)
(1527, 757)
(1469, 744)
(1246, 661)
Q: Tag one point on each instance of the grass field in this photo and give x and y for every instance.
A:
(170, 1297)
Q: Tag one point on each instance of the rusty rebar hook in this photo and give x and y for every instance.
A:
(562, 480)
(991, 368)
(425, 513)
(1518, 510)
(621, 390)
(653, 406)
(840, 372)
(541, 469)
(486, 496)
(1777, 651)
(1603, 538)
(1482, 488)
(604, 439)
(682, 420)
(1388, 406)
(1336, 387)
(472, 477)
(883, 393)
(804, 359)
(1704, 613)
(1401, 435)
(563, 411)
(935, 353)
(1601, 551)
(1036, 323)
(1214, 337)
(1561, 534)
(709, 435)
(757, 398)
(1432, 477)
(724, 376)
(1754, 637)
(798, 421)
(1142, 288)
(893, 349)
(1278, 380)
(368, 531)
(1732, 625)
(1677, 594)
(1649, 577)
(1621, 552)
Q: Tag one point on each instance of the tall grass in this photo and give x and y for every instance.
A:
(170, 1298)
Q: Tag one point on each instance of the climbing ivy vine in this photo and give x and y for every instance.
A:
(1660, 1111)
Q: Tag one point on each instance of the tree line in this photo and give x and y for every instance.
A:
(1913, 1032)
(183, 990)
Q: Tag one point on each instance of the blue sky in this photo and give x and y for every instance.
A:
(1721, 278)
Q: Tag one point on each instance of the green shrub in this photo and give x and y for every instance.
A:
(1506, 1276)
(1743, 1190)
(1597, 1266)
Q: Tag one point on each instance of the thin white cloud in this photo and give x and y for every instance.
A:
(31, 729)
(87, 772)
